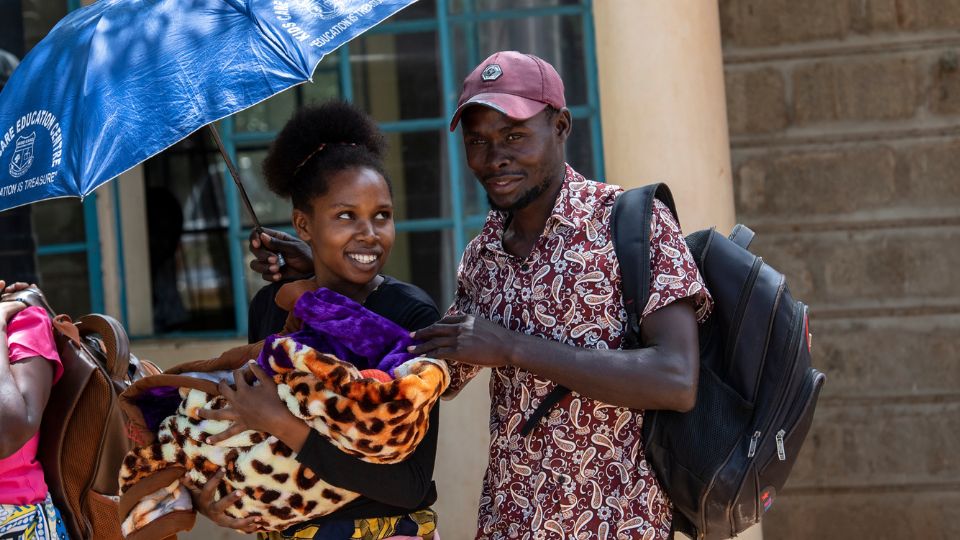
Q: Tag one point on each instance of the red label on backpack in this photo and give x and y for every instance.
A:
(766, 498)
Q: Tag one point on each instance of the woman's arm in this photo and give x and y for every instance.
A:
(24, 389)
(258, 408)
(404, 485)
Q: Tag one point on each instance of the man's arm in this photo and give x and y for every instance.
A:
(662, 375)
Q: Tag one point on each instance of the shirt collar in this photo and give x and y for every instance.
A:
(568, 213)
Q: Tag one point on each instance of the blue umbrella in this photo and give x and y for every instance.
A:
(118, 81)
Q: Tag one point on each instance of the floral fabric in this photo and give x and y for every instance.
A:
(584, 474)
(40, 521)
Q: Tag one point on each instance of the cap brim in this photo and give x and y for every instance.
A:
(516, 107)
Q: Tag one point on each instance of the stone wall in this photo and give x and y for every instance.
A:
(844, 119)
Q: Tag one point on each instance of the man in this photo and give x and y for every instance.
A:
(538, 300)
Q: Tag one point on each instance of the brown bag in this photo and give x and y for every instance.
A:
(82, 435)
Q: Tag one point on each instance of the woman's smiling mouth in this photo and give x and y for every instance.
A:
(363, 258)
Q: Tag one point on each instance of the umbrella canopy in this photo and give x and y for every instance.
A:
(118, 81)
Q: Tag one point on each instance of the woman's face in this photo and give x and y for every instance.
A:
(350, 229)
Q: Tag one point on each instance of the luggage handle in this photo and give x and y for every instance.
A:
(742, 235)
(114, 337)
(30, 296)
(115, 342)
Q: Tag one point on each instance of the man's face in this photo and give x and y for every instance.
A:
(516, 161)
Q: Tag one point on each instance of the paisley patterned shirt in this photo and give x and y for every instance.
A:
(582, 473)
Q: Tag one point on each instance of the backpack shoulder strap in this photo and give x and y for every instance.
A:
(630, 227)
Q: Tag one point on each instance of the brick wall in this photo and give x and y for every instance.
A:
(845, 133)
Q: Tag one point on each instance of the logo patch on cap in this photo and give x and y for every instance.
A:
(491, 72)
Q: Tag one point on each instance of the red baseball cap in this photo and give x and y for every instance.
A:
(516, 84)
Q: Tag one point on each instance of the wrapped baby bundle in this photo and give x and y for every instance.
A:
(318, 373)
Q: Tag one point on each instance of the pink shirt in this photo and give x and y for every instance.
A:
(29, 334)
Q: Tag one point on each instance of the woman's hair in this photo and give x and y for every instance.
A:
(318, 142)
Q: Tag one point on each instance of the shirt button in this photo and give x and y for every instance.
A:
(524, 267)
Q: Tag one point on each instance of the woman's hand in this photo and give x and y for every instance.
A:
(204, 502)
(256, 407)
(9, 308)
(14, 287)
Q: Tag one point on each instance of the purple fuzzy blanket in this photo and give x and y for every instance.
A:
(335, 324)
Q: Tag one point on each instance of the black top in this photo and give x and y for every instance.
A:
(388, 490)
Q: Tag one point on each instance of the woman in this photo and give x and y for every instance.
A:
(328, 161)
(29, 367)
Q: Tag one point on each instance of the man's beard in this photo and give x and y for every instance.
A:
(525, 199)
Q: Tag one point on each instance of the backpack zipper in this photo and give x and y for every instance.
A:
(791, 369)
(796, 414)
(753, 444)
(781, 451)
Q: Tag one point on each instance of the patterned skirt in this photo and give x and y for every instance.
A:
(39, 521)
(419, 524)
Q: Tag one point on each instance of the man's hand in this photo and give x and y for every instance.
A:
(204, 502)
(466, 339)
(298, 258)
(256, 407)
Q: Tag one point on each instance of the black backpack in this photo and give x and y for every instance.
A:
(722, 463)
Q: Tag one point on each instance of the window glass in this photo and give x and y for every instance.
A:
(58, 221)
(39, 16)
(579, 150)
(422, 9)
(64, 279)
(325, 85)
(425, 259)
(468, 6)
(272, 211)
(270, 115)
(420, 187)
(397, 77)
(203, 285)
(189, 250)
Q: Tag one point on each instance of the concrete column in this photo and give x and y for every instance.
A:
(663, 107)
(663, 104)
(109, 251)
(134, 238)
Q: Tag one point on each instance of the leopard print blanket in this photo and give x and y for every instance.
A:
(378, 422)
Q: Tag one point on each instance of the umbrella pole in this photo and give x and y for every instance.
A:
(243, 193)
(236, 178)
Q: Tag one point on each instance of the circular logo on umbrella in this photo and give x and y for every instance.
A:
(22, 155)
(491, 72)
